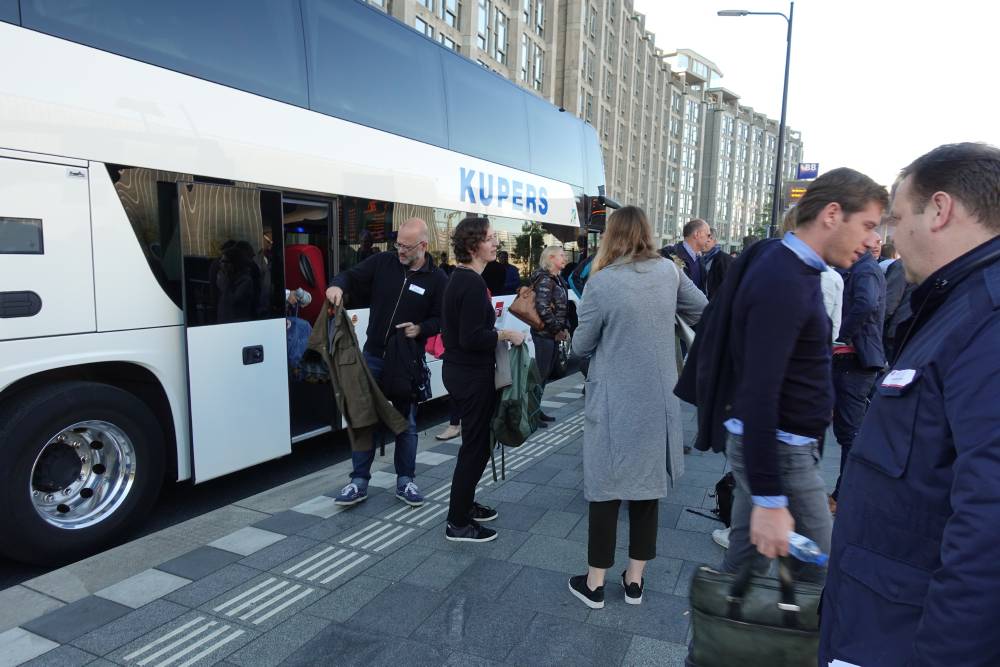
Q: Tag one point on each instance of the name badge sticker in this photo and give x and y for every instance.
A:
(899, 378)
(417, 288)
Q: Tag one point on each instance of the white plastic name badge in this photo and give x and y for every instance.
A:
(841, 663)
(899, 379)
(416, 288)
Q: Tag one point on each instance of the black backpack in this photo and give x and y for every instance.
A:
(405, 376)
(723, 510)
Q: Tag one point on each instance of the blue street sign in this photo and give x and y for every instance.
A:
(808, 170)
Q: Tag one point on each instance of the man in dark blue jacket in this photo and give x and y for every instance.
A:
(914, 575)
(688, 252)
(858, 355)
(406, 295)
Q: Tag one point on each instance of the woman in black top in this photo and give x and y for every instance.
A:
(470, 342)
(551, 298)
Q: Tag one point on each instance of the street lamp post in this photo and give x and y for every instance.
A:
(776, 196)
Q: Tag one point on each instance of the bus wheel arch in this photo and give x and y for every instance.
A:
(84, 461)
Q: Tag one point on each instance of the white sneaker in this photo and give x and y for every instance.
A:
(721, 537)
(453, 431)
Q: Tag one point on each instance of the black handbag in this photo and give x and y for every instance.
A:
(753, 621)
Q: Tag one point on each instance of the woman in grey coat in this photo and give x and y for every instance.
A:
(632, 440)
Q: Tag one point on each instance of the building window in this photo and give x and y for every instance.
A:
(429, 4)
(540, 17)
(593, 22)
(450, 11)
(500, 44)
(525, 62)
(422, 26)
(483, 34)
(539, 65)
(446, 41)
(589, 109)
(526, 12)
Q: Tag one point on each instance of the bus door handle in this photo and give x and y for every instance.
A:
(253, 354)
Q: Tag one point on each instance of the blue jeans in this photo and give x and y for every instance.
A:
(405, 456)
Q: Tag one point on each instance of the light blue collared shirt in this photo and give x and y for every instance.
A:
(803, 251)
(690, 251)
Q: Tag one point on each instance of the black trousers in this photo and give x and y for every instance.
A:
(545, 355)
(642, 526)
(852, 384)
(473, 391)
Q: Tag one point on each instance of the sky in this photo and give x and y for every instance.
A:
(873, 84)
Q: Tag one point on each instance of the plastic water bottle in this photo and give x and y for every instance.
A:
(806, 550)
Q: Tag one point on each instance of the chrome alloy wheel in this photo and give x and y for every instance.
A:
(82, 475)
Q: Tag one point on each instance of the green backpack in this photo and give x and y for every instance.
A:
(519, 409)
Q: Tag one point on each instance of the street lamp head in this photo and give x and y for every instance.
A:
(733, 12)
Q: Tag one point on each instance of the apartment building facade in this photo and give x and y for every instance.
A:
(674, 142)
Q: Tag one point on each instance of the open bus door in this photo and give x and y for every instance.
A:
(235, 326)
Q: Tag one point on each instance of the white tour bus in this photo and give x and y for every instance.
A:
(167, 171)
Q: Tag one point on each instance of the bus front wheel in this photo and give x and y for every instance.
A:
(84, 462)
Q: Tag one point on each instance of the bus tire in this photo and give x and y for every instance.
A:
(83, 463)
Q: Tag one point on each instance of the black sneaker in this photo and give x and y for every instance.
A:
(482, 513)
(546, 418)
(578, 587)
(471, 533)
(633, 592)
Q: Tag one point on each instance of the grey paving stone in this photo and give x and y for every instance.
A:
(199, 592)
(457, 659)
(511, 491)
(336, 524)
(710, 462)
(264, 602)
(685, 494)
(349, 647)
(326, 565)
(667, 515)
(199, 563)
(246, 541)
(397, 610)
(378, 536)
(516, 516)
(20, 604)
(143, 588)
(696, 523)
(579, 504)
(545, 591)
(434, 474)
(287, 523)
(683, 544)
(448, 447)
(195, 637)
(273, 647)
(276, 554)
(485, 577)
(508, 541)
(660, 616)
(344, 602)
(106, 639)
(683, 587)
(563, 461)
(538, 473)
(400, 563)
(552, 553)
(74, 620)
(17, 645)
(702, 478)
(439, 570)
(556, 523)
(661, 573)
(549, 497)
(64, 656)
(558, 641)
(648, 652)
(474, 625)
(568, 479)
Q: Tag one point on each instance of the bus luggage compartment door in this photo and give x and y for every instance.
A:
(234, 313)
(46, 268)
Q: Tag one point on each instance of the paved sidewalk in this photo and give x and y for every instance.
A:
(288, 578)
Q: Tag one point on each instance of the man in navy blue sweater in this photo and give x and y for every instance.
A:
(780, 348)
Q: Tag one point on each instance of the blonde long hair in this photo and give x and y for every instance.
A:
(627, 234)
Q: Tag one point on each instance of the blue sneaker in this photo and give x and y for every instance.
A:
(351, 495)
(410, 494)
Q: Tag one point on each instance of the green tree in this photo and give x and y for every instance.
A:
(528, 245)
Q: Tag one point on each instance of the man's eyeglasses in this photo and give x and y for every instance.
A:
(406, 248)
